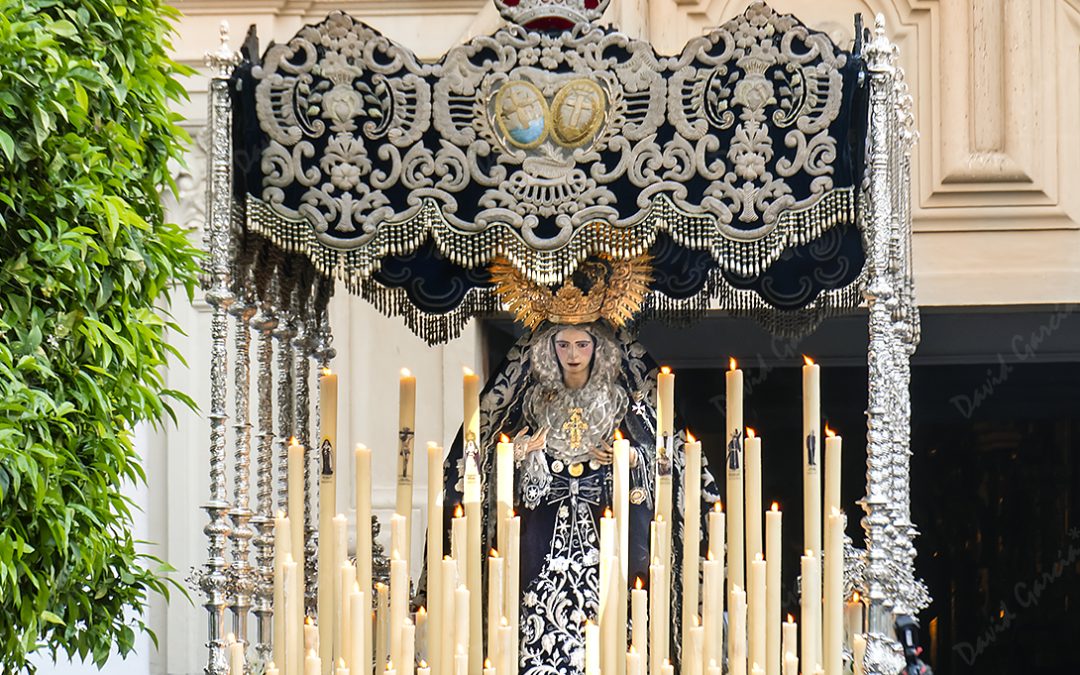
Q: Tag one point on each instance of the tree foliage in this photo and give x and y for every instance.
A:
(85, 135)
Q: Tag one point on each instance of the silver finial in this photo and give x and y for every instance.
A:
(224, 59)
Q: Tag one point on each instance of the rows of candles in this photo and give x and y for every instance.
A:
(366, 628)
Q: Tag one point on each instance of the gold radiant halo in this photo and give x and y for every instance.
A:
(523, 104)
(616, 293)
(577, 112)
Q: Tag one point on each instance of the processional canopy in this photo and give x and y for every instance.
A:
(734, 167)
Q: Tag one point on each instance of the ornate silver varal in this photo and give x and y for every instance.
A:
(242, 580)
(214, 579)
(302, 344)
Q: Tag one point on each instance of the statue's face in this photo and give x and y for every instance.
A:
(574, 347)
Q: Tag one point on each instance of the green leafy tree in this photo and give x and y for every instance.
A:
(85, 135)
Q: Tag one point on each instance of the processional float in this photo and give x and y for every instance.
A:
(764, 169)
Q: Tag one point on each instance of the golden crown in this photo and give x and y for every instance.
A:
(601, 288)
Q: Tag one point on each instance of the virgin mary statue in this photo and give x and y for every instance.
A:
(561, 393)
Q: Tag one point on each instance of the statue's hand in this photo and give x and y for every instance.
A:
(524, 444)
(602, 453)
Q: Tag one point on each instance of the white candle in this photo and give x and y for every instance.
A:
(473, 557)
(504, 489)
(407, 664)
(293, 603)
(312, 664)
(833, 455)
(790, 646)
(359, 616)
(461, 664)
(734, 477)
(752, 497)
(853, 618)
(462, 624)
(435, 558)
(513, 590)
(271, 669)
(834, 593)
(423, 668)
(346, 582)
(712, 608)
(422, 630)
(859, 654)
(471, 390)
(633, 662)
(496, 568)
(449, 586)
(282, 551)
(311, 635)
(405, 460)
(811, 609)
(592, 648)
(773, 556)
(327, 556)
(382, 624)
(756, 609)
(667, 668)
(811, 459)
(609, 575)
(489, 667)
(691, 534)
(737, 645)
(296, 502)
(621, 506)
(639, 638)
(362, 466)
(665, 424)
(504, 647)
(399, 606)
(692, 658)
(236, 656)
(341, 668)
(791, 664)
(656, 602)
(459, 534)
(757, 670)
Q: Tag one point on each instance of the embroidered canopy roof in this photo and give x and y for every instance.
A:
(736, 164)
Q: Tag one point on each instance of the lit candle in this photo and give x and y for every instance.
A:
(737, 646)
(752, 498)
(834, 593)
(489, 669)
(423, 668)
(791, 664)
(633, 662)
(311, 635)
(811, 609)
(271, 669)
(853, 618)
(328, 570)
(756, 609)
(665, 425)
(691, 552)
(459, 534)
(362, 462)
(734, 476)
(473, 556)
(341, 668)
(382, 621)
(713, 669)
(609, 575)
(504, 648)
(712, 607)
(513, 590)
(406, 438)
(833, 449)
(773, 556)
(399, 605)
(422, 630)
(312, 664)
(639, 637)
(592, 648)
(496, 568)
(693, 657)
(757, 670)
(435, 558)
(504, 489)
(282, 551)
(461, 664)
(833, 454)
(449, 586)
(811, 458)
(620, 471)
(359, 615)
(667, 668)
(790, 645)
(859, 654)
(390, 669)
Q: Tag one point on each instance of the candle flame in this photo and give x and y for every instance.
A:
(750, 433)
(690, 437)
(504, 622)
(809, 361)
(758, 557)
(631, 650)
(493, 554)
(405, 372)
(618, 434)
(638, 584)
(790, 619)
(230, 638)
(327, 371)
(356, 587)
(607, 513)
(856, 597)
(389, 665)
(308, 621)
(588, 622)
(487, 663)
(709, 555)
(467, 371)
(697, 621)
(503, 438)
(775, 507)
(458, 511)
(733, 364)
(809, 553)
(292, 440)
(829, 432)
(665, 370)
(281, 513)
(341, 663)
(718, 506)
(834, 512)
(421, 611)
(423, 663)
